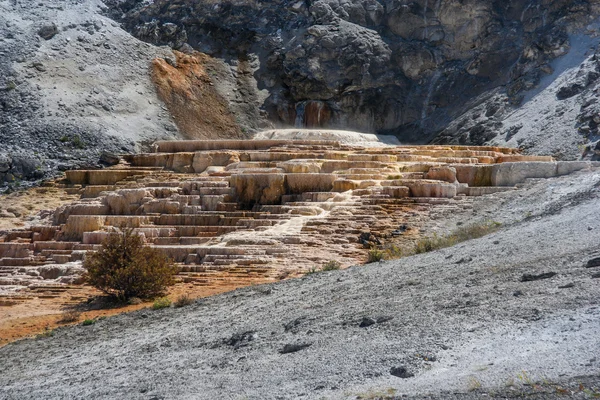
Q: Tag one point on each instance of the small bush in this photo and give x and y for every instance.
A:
(125, 268)
(77, 142)
(331, 265)
(162, 302)
(392, 252)
(69, 317)
(312, 270)
(183, 300)
(432, 243)
(375, 255)
(88, 322)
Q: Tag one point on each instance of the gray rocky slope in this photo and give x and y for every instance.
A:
(72, 85)
(500, 312)
(560, 117)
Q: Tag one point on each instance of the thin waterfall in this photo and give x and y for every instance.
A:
(299, 123)
(434, 80)
(425, 19)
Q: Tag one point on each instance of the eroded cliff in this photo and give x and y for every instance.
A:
(396, 67)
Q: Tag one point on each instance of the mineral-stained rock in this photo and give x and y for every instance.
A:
(309, 182)
(446, 174)
(203, 160)
(509, 174)
(259, 189)
(78, 224)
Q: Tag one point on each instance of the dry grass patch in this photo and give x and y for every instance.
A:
(69, 317)
(183, 300)
(462, 234)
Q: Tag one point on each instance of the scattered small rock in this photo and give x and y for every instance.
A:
(464, 260)
(596, 275)
(294, 347)
(366, 322)
(531, 278)
(401, 372)
(517, 293)
(293, 325)
(567, 286)
(593, 263)
(47, 32)
(241, 339)
(39, 66)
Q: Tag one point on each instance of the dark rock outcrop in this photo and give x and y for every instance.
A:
(405, 68)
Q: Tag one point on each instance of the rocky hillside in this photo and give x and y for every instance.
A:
(396, 67)
(73, 85)
(75, 88)
(84, 78)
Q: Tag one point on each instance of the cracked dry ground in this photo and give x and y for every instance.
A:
(237, 213)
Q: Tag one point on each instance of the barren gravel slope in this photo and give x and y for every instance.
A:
(82, 89)
(453, 318)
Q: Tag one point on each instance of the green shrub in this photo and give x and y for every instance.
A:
(88, 322)
(331, 265)
(77, 142)
(392, 252)
(375, 255)
(125, 268)
(162, 302)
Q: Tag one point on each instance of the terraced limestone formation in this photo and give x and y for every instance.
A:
(239, 212)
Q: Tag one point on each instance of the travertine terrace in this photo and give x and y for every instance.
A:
(258, 211)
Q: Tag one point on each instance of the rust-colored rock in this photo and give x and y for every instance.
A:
(199, 111)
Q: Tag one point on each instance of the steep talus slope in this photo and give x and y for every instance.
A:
(559, 118)
(73, 85)
(487, 313)
(404, 68)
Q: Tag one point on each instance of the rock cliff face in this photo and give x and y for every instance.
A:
(398, 67)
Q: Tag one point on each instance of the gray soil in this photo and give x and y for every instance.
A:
(469, 321)
(73, 84)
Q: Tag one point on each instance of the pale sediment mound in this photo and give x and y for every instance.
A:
(344, 137)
